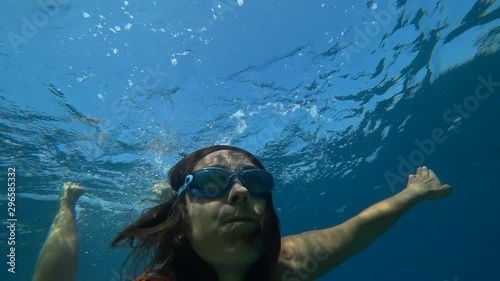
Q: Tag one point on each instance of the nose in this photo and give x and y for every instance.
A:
(238, 193)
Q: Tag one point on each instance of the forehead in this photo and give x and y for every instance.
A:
(229, 159)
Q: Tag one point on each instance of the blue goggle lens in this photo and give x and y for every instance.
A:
(215, 182)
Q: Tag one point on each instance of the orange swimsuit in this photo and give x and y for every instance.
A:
(153, 275)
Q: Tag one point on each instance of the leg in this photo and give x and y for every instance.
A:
(58, 259)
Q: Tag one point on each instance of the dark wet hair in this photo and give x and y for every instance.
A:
(160, 234)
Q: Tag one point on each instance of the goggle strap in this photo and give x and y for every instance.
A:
(188, 180)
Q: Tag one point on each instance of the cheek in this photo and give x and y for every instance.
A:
(195, 217)
(260, 206)
(202, 218)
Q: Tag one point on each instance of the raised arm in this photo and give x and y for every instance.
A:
(309, 255)
(58, 259)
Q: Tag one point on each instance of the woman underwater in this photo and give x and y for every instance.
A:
(220, 224)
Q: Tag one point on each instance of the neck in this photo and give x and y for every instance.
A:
(230, 273)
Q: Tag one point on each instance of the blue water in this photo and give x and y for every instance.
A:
(339, 100)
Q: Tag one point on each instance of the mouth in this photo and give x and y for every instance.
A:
(242, 226)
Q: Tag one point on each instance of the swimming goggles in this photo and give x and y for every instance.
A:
(214, 182)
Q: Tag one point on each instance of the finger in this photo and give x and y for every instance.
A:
(446, 193)
(442, 195)
(419, 171)
(432, 174)
(425, 171)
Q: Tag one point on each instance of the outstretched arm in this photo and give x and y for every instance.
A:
(311, 254)
(58, 259)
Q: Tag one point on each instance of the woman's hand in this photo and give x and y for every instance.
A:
(425, 185)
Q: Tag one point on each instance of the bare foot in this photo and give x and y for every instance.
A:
(71, 192)
(426, 185)
(163, 190)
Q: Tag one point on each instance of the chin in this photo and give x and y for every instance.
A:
(248, 250)
(241, 256)
(248, 245)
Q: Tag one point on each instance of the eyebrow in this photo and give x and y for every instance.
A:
(246, 167)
